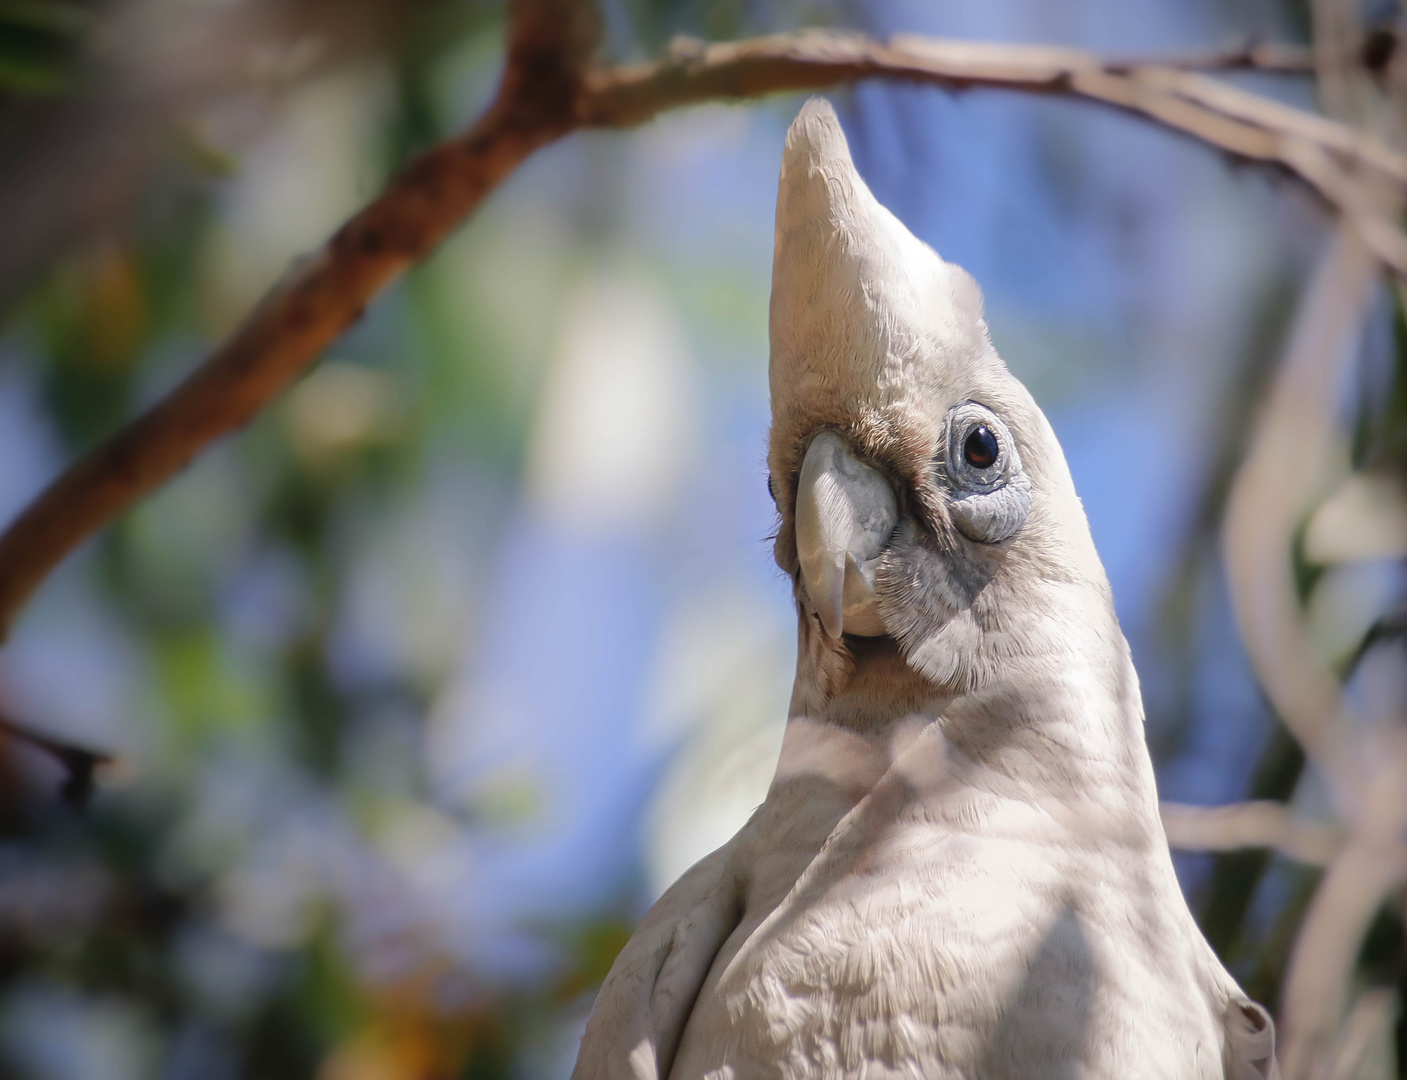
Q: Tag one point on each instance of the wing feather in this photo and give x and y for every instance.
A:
(646, 999)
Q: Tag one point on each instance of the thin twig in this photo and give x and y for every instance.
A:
(1366, 1029)
(1283, 468)
(1282, 473)
(1326, 951)
(1257, 824)
(1266, 56)
(1366, 870)
(1241, 123)
(80, 763)
(548, 90)
(1339, 78)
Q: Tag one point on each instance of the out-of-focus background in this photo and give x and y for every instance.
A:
(423, 687)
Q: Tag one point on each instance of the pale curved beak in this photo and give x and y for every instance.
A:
(845, 515)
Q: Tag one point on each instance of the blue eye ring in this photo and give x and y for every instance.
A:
(989, 495)
(980, 453)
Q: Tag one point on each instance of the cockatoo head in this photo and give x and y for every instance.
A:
(924, 498)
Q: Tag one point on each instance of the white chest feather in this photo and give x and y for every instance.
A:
(930, 926)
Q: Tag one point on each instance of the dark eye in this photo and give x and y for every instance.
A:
(980, 448)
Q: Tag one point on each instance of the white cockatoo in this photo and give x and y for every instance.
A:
(959, 869)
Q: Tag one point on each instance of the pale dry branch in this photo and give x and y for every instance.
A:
(1258, 824)
(1341, 82)
(549, 89)
(1326, 952)
(1362, 875)
(1356, 149)
(1366, 1031)
(1282, 475)
(1241, 123)
(1249, 55)
(1283, 470)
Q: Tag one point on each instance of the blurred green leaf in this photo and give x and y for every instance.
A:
(191, 147)
(31, 76)
(49, 15)
(38, 42)
(205, 692)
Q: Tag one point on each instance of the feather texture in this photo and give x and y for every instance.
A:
(959, 870)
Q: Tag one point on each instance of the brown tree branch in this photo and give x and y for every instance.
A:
(548, 89)
(314, 305)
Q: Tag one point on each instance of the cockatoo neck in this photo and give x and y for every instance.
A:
(944, 574)
(879, 690)
(1062, 720)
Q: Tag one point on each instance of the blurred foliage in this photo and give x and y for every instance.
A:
(117, 916)
(1252, 902)
(122, 905)
(40, 43)
(109, 320)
